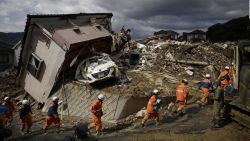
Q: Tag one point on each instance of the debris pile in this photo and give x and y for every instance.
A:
(7, 84)
(163, 64)
(184, 58)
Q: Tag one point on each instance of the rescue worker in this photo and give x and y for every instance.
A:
(181, 96)
(97, 113)
(152, 112)
(128, 35)
(25, 116)
(205, 86)
(225, 78)
(52, 116)
(3, 112)
(9, 104)
(218, 103)
(4, 132)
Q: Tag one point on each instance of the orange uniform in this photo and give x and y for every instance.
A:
(181, 94)
(96, 110)
(49, 120)
(150, 110)
(226, 78)
(11, 108)
(52, 117)
(205, 85)
(25, 117)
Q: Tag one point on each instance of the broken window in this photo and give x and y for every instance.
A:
(34, 65)
(4, 58)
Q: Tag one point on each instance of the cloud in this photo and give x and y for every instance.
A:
(180, 15)
(142, 16)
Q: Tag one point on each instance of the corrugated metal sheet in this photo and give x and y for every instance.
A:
(68, 37)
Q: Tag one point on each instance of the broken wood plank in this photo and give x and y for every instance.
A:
(190, 62)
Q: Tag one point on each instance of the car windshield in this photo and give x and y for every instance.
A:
(93, 60)
(101, 61)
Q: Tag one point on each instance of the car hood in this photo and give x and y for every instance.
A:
(101, 67)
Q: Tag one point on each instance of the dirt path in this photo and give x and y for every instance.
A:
(195, 126)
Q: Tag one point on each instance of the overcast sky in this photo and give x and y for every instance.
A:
(142, 16)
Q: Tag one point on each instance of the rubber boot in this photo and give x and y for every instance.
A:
(58, 131)
(157, 124)
(143, 125)
(28, 131)
(216, 124)
(45, 131)
(98, 134)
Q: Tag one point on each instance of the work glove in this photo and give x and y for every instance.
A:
(155, 109)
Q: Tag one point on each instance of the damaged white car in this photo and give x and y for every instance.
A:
(96, 68)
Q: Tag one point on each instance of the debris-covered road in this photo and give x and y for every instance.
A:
(196, 126)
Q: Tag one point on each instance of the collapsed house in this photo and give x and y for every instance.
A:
(52, 42)
(53, 45)
(196, 35)
(173, 35)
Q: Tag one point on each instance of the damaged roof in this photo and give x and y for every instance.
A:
(71, 36)
(28, 24)
(29, 17)
(198, 32)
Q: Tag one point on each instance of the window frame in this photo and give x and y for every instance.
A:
(30, 66)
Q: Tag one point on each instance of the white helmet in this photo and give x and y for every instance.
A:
(226, 67)
(208, 76)
(158, 101)
(155, 91)
(101, 97)
(25, 102)
(6, 98)
(55, 98)
(185, 81)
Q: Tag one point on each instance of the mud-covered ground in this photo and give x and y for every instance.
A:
(191, 128)
(143, 82)
(195, 125)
